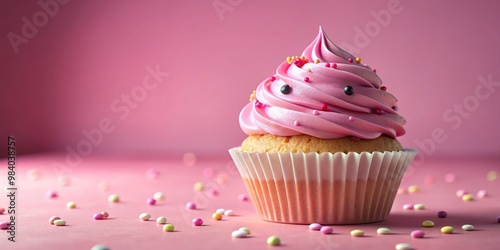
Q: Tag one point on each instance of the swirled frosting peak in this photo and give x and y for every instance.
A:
(326, 93)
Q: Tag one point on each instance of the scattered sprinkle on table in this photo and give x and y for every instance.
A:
(239, 234)
(161, 220)
(191, 206)
(144, 216)
(159, 196)
(113, 198)
(408, 206)
(151, 201)
(197, 222)
(467, 227)
(383, 230)
(168, 228)
(51, 194)
(100, 247)
(468, 197)
(243, 197)
(246, 229)
(199, 186)
(71, 205)
(357, 233)
(217, 216)
(105, 214)
(413, 189)
(482, 193)
(53, 218)
(419, 207)
(461, 192)
(229, 212)
(220, 210)
(273, 240)
(442, 214)
(315, 226)
(4, 225)
(417, 234)
(98, 216)
(447, 230)
(326, 230)
(427, 223)
(403, 246)
(60, 222)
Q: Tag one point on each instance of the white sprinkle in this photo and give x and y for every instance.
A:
(220, 211)
(403, 246)
(239, 234)
(144, 216)
(229, 212)
(468, 227)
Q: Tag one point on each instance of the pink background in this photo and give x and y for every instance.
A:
(90, 53)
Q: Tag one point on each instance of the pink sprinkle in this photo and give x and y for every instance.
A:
(4, 225)
(449, 178)
(324, 107)
(429, 180)
(243, 197)
(408, 206)
(98, 216)
(350, 60)
(191, 206)
(481, 194)
(273, 78)
(417, 234)
(209, 173)
(296, 123)
(461, 192)
(213, 192)
(402, 191)
(379, 111)
(327, 65)
(151, 201)
(51, 194)
(351, 119)
(259, 104)
(315, 226)
(306, 79)
(326, 230)
(2, 210)
(197, 222)
(315, 112)
(374, 70)
(334, 65)
(152, 173)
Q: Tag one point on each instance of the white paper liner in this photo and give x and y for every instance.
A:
(326, 188)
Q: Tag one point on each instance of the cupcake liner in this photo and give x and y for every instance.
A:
(326, 188)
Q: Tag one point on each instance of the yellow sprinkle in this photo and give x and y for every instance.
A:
(308, 70)
(492, 175)
(413, 189)
(468, 197)
(358, 60)
(217, 216)
(427, 223)
(71, 205)
(295, 57)
(252, 96)
(447, 230)
(316, 61)
(289, 60)
(199, 186)
(358, 233)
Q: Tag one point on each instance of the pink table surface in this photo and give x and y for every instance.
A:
(127, 178)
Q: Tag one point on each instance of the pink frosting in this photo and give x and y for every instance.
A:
(317, 103)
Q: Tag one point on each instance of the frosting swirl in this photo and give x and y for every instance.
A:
(326, 93)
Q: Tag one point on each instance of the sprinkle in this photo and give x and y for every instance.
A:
(296, 123)
(383, 230)
(289, 60)
(324, 107)
(151, 201)
(220, 210)
(243, 197)
(357, 233)
(442, 214)
(350, 60)
(191, 206)
(229, 212)
(239, 234)
(53, 218)
(99, 247)
(144, 216)
(326, 230)
(383, 88)
(316, 61)
(246, 230)
(71, 205)
(64, 181)
(152, 173)
(105, 214)
(273, 240)
(2, 210)
(315, 112)
(403, 246)
(402, 191)
(213, 192)
(481, 194)
(60, 222)
(114, 198)
(4, 225)
(98, 216)
(413, 189)
(467, 227)
(447, 230)
(334, 65)
(408, 206)
(168, 228)
(417, 234)
(285, 89)
(51, 194)
(419, 207)
(461, 192)
(315, 227)
(189, 159)
(199, 186)
(161, 220)
(358, 60)
(252, 96)
(427, 223)
(197, 222)
(34, 174)
(379, 111)
(327, 65)
(159, 196)
(306, 79)
(374, 70)
(468, 197)
(351, 119)
(259, 104)
(273, 78)
(348, 90)
(217, 216)
(298, 62)
(449, 178)
(491, 176)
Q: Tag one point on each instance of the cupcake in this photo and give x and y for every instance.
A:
(322, 141)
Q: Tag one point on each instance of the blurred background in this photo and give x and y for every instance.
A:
(170, 77)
